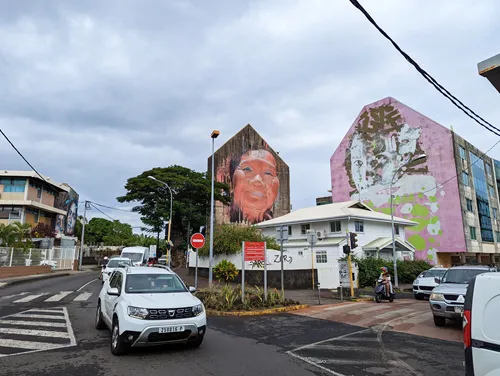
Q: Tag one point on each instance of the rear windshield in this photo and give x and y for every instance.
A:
(462, 276)
(434, 273)
(114, 263)
(153, 284)
(136, 257)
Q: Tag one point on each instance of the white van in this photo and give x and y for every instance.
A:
(138, 255)
(482, 326)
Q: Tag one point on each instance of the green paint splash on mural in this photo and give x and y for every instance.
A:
(420, 211)
(431, 240)
(418, 242)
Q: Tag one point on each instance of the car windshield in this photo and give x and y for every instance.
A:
(153, 284)
(432, 273)
(136, 257)
(114, 263)
(462, 276)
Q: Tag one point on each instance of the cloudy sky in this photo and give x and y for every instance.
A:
(95, 92)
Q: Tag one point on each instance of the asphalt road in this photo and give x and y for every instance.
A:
(273, 345)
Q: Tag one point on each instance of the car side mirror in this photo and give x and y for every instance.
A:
(192, 289)
(437, 280)
(113, 291)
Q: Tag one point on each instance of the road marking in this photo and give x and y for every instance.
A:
(49, 310)
(13, 296)
(328, 340)
(88, 283)
(365, 310)
(417, 319)
(30, 332)
(34, 323)
(307, 360)
(397, 312)
(29, 345)
(342, 306)
(29, 298)
(83, 297)
(2, 284)
(57, 297)
(70, 328)
(39, 316)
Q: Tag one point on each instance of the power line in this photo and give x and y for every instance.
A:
(95, 207)
(111, 208)
(22, 156)
(466, 110)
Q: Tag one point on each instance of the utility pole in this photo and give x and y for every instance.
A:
(213, 136)
(82, 245)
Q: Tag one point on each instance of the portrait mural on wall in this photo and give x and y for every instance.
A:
(386, 148)
(258, 180)
(66, 224)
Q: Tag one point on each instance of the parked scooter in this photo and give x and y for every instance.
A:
(380, 293)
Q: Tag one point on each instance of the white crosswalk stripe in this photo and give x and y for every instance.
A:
(27, 297)
(35, 330)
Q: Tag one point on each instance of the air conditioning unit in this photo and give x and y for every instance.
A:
(320, 235)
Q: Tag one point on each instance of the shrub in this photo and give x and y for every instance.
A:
(369, 269)
(225, 270)
(228, 298)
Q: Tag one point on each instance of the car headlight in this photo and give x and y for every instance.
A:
(415, 282)
(436, 296)
(138, 313)
(198, 309)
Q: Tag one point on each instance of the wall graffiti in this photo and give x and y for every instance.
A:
(381, 147)
(277, 260)
(66, 224)
(286, 258)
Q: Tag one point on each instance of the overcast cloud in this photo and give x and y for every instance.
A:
(95, 92)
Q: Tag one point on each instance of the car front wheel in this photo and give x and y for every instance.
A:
(418, 296)
(439, 321)
(197, 343)
(99, 322)
(117, 345)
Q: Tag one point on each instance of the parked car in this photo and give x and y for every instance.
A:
(447, 300)
(113, 263)
(481, 326)
(162, 260)
(146, 306)
(425, 282)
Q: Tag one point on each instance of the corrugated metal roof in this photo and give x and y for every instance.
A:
(337, 210)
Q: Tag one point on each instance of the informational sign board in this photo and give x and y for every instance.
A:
(255, 251)
(344, 272)
(152, 251)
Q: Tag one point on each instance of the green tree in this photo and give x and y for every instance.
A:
(8, 235)
(43, 230)
(228, 239)
(191, 197)
(101, 230)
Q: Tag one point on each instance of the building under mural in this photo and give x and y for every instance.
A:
(259, 179)
(392, 148)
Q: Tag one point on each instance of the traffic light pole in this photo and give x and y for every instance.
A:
(349, 264)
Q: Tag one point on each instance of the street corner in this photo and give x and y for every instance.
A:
(373, 351)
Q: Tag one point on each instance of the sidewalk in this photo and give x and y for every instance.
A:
(37, 277)
(305, 296)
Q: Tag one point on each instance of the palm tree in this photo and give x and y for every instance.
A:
(8, 235)
(22, 230)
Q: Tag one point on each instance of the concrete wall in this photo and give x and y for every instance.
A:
(384, 137)
(271, 182)
(19, 271)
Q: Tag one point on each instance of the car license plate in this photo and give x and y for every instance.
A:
(459, 309)
(171, 329)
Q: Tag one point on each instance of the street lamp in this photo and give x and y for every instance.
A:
(170, 217)
(214, 135)
(418, 157)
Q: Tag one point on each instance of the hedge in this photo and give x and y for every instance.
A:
(369, 270)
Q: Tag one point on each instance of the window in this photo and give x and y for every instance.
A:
(335, 226)
(488, 169)
(492, 191)
(469, 205)
(289, 230)
(13, 185)
(495, 213)
(359, 226)
(463, 155)
(465, 178)
(498, 236)
(304, 228)
(473, 233)
(396, 229)
(116, 281)
(321, 257)
(39, 192)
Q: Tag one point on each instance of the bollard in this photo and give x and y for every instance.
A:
(341, 292)
(319, 294)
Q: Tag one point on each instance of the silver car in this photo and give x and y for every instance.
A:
(425, 282)
(447, 300)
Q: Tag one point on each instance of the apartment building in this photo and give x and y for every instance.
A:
(26, 198)
(436, 178)
(490, 69)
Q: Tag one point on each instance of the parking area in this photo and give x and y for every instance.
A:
(405, 315)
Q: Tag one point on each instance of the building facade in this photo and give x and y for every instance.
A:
(490, 69)
(259, 179)
(393, 149)
(26, 198)
(323, 200)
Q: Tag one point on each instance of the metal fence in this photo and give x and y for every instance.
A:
(57, 257)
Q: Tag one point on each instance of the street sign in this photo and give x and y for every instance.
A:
(312, 237)
(255, 251)
(152, 251)
(197, 241)
(344, 272)
(282, 233)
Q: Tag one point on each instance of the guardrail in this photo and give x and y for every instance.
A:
(58, 258)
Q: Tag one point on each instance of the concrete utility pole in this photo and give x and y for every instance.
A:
(214, 135)
(82, 245)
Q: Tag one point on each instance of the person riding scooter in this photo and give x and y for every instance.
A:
(385, 279)
(103, 265)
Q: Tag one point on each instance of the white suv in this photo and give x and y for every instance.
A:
(146, 306)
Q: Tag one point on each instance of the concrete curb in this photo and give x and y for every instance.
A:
(363, 299)
(212, 312)
(37, 278)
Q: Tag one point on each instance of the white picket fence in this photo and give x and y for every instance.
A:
(57, 257)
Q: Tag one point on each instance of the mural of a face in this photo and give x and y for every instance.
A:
(255, 184)
(60, 225)
(71, 219)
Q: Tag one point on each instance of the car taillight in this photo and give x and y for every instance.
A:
(467, 324)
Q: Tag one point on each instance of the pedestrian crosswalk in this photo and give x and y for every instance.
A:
(35, 330)
(54, 297)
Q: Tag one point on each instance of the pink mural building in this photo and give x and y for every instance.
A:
(380, 151)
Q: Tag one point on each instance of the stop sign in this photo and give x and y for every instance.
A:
(197, 240)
